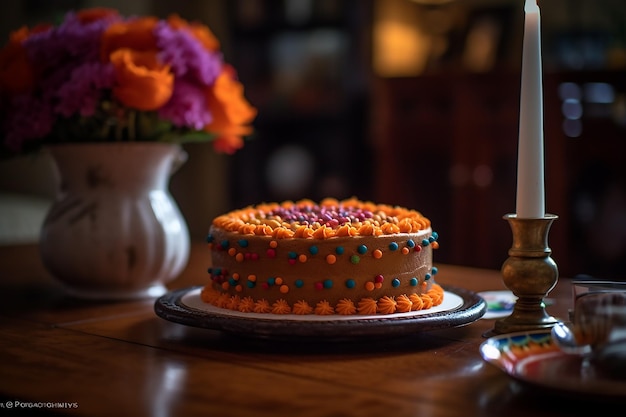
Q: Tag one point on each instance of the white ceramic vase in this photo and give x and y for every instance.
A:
(114, 230)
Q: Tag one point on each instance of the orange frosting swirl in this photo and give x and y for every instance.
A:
(208, 295)
(262, 306)
(263, 230)
(367, 306)
(390, 228)
(367, 229)
(323, 232)
(281, 307)
(345, 307)
(386, 305)
(233, 303)
(246, 305)
(403, 304)
(283, 233)
(428, 302)
(246, 229)
(302, 307)
(346, 230)
(418, 304)
(406, 226)
(323, 308)
(303, 232)
(436, 294)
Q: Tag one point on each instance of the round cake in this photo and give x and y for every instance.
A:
(332, 257)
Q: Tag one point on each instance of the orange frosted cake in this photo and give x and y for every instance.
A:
(333, 257)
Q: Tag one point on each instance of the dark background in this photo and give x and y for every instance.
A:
(408, 102)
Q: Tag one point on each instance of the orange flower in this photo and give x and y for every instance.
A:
(202, 33)
(141, 81)
(231, 113)
(227, 144)
(137, 34)
(95, 13)
(16, 73)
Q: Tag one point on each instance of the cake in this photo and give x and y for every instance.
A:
(347, 257)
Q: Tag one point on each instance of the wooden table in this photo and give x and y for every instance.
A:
(120, 359)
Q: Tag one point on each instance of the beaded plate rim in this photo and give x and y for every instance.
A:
(171, 307)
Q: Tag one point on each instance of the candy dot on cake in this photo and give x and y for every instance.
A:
(332, 254)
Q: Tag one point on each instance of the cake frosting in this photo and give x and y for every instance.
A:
(333, 257)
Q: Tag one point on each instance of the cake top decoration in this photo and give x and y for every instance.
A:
(326, 219)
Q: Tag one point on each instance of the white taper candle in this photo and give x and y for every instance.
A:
(530, 160)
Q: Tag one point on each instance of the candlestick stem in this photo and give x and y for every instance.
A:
(530, 273)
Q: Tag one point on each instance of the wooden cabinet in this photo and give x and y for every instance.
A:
(446, 144)
(594, 178)
(445, 149)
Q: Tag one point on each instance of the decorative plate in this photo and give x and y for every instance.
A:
(184, 306)
(499, 303)
(535, 358)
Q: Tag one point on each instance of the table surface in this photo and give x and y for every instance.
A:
(110, 359)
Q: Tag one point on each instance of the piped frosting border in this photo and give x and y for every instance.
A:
(366, 306)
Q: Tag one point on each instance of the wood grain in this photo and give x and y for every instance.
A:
(120, 359)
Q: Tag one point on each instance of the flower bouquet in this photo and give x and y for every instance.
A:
(112, 98)
(101, 77)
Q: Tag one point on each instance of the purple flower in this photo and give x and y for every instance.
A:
(69, 44)
(186, 55)
(187, 107)
(29, 118)
(82, 91)
(65, 56)
(71, 79)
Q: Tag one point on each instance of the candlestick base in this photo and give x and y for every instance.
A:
(530, 273)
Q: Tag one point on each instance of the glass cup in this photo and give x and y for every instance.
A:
(599, 321)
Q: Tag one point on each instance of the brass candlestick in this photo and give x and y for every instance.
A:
(530, 273)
